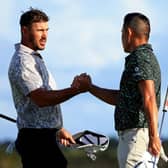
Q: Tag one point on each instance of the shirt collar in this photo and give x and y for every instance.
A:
(141, 47)
(27, 50)
(144, 46)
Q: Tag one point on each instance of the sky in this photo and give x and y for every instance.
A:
(84, 36)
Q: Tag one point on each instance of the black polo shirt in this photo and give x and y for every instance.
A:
(141, 64)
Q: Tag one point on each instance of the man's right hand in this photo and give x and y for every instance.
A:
(82, 82)
(154, 145)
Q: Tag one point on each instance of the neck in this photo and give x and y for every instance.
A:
(136, 43)
(27, 44)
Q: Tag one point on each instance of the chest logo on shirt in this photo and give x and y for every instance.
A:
(136, 69)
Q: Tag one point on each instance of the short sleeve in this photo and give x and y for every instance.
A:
(142, 69)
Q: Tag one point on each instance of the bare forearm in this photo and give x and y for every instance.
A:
(107, 95)
(152, 115)
(48, 98)
(150, 106)
(147, 90)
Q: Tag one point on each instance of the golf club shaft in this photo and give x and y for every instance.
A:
(7, 118)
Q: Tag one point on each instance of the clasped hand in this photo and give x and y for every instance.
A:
(82, 82)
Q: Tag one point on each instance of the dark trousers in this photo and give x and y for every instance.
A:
(38, 149)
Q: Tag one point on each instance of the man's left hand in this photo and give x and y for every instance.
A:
(65, 138)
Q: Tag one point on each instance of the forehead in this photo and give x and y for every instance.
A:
(42, 24)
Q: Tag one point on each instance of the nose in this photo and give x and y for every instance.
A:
(45, 34)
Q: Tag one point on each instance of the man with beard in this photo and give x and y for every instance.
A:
(36, 99)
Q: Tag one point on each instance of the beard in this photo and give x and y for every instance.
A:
(34, 43)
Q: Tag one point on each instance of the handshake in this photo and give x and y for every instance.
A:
(82, 83)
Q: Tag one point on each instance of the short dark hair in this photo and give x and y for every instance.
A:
(138, 22)
(32, 16)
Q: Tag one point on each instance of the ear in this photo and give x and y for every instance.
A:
(130, 33)
(24, 30)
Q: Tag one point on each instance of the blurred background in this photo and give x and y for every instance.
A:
(76, 158)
